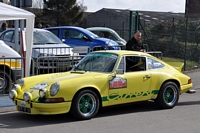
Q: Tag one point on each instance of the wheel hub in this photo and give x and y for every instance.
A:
(86, 104)
(168, 95)
(2, 83)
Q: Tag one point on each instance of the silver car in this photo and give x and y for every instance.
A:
(48, 51)
(108, 33)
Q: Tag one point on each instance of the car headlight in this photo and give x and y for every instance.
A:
(42, 93)
(108, 43)
(27, 96)
(12, 94)
(20, 82)
(54, 89)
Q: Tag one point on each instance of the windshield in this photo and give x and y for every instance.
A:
(90, 33)
(45, 37)
(97, 62)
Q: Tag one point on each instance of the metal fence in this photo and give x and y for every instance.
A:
(178, 39)
(177, 36)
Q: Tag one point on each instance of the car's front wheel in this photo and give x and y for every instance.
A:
(168, 96)
(85, 105)
(5, 82)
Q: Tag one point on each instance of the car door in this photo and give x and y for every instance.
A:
(75, 37)
(130, 85)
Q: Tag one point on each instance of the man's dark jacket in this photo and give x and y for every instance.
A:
(135, 45)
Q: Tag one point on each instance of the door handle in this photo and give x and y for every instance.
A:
(147, 77)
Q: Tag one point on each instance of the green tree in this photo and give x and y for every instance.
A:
(64, 12)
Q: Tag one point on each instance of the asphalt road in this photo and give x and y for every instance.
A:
(137, 118)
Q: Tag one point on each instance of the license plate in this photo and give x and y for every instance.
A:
(23, 104)
(24, 109)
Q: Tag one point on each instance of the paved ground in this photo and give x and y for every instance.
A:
(7, 105)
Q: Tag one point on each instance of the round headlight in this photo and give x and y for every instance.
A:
(16, 87)
(54, 89)
(42, 93)
(20, 82)
(12, 94)
(27, 96)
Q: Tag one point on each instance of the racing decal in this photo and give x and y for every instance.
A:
(117, 96)
(36, 98)
(117, 83)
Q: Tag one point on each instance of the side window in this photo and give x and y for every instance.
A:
(8, 36)
(135, 63)
(76, 35)
(72, 34)
(13, 37)
(55, 31)
(101, 34)
(65, 34)
(154, 64)
(96, 32)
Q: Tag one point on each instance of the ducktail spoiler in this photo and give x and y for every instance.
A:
(177, 65)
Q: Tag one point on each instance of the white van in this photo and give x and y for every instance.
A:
(10, 67)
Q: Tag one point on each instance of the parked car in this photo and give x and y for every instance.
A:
(45, 45)
(77, 36)
(100, 79)
(108, 33)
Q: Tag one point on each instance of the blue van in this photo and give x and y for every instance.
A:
(77, 36)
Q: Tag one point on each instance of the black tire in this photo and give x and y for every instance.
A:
(168, 96)
(85, 105)
(5, 82)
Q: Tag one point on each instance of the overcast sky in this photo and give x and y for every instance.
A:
(144, 5)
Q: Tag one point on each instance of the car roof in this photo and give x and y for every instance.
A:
(126, 52)
(74, 27)
(100, 28)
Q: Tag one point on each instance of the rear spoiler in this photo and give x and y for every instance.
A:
(177, 65)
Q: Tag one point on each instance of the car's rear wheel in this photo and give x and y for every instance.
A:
(85, 105)
(5, 82)
(168, 96)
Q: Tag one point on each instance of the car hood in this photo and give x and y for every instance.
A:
(72, 76)
(107, 41)
(35, 83)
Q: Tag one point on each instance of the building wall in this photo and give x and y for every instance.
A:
(193, 6)
(115, 21)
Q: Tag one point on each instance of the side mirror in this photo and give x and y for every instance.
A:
(63, 40)
(85, 38)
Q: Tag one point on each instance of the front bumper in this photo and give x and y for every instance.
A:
(42, 108)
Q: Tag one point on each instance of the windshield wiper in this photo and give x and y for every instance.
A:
(78, 69)
(51, 43)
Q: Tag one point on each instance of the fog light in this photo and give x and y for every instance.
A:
(27, 96)
(42, 93)
(16, 87)
(20, 82)
(12, 94)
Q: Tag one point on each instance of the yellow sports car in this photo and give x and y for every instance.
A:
(101, 79)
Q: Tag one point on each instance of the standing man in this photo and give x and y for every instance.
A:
(135, 42)
(4, 26)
